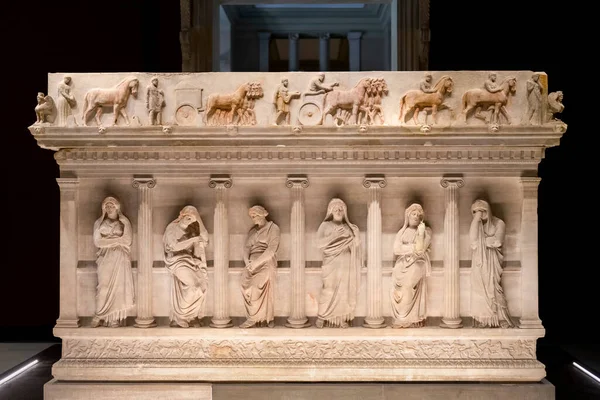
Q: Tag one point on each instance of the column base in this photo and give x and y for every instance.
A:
(67, 323)
(145, 323)
(531, 324)
(221, 323)
(374, 323)
(451, 323)
(298, 323)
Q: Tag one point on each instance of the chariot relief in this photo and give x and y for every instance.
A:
(427, 98)
(235, 108)
(115, 97)
(359, 105)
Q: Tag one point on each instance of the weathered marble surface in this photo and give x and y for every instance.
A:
(250, 163)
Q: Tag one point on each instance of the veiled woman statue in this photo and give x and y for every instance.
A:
(258, 279)
(64, 102)
(114, 293)
(184, 241)
(488, 304)
(339, 242)
(411, 269)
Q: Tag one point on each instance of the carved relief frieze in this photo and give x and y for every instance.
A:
(428, 98)
(236, 108)
(295, 350)
(490, 102)
(115, 97)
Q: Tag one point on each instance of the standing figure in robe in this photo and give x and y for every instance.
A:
(258, 278)
(340, 245)
(114, 293)
(488, 303)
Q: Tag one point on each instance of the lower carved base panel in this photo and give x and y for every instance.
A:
(56, 390)
(356, 354)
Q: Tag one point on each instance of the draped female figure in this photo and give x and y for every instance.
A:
(411, 269)
(258, 278)
(184, 241)
(488, 304)
(340, 245)
(114, 293)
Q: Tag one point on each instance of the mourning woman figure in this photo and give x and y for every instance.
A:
(114, 293)
(339, 242)
(258, 278)
(488, 304)
(411, 269)
(184, 241)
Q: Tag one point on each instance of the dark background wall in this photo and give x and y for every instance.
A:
(134, 35)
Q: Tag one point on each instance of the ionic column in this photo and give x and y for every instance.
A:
(263, 45)
(145, 316)
(529, 255)
(374, 317)
(69, 252)
(220, 317)
(354, 44)
(297, 317)
(324, 52)
(293, 63)
(451, 317)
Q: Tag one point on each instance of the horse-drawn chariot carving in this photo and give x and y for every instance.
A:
(235, 108)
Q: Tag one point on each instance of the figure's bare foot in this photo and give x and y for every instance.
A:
(247, 324)
(344, 325)
(320, 323)
(95, 322)
(114, 324)
(271, 324)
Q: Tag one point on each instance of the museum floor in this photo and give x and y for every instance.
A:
(569, 382)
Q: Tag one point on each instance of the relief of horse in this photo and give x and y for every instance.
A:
(230, 104)
(417, 100)
(116, 97)
(340, 100)
(494, 102)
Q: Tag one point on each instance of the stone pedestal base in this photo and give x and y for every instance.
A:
(55, 390)
(356, 354)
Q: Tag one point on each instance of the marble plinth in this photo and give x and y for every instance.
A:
(281, 354)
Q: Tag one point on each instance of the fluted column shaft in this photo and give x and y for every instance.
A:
(374, 317)
(297, 318)
(529, 255)
(69, 252)
(324, 52)
(451, 317)
(221, 317)
(145, 316)
(293, 62)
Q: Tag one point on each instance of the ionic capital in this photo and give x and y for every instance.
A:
(299, 181)
(143, 182)
(452, 181)
(376, 181)
(220, 182)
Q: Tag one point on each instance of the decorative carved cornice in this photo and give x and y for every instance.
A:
(220, 182)
(297, 181)
(374, 181)
(143, 182)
